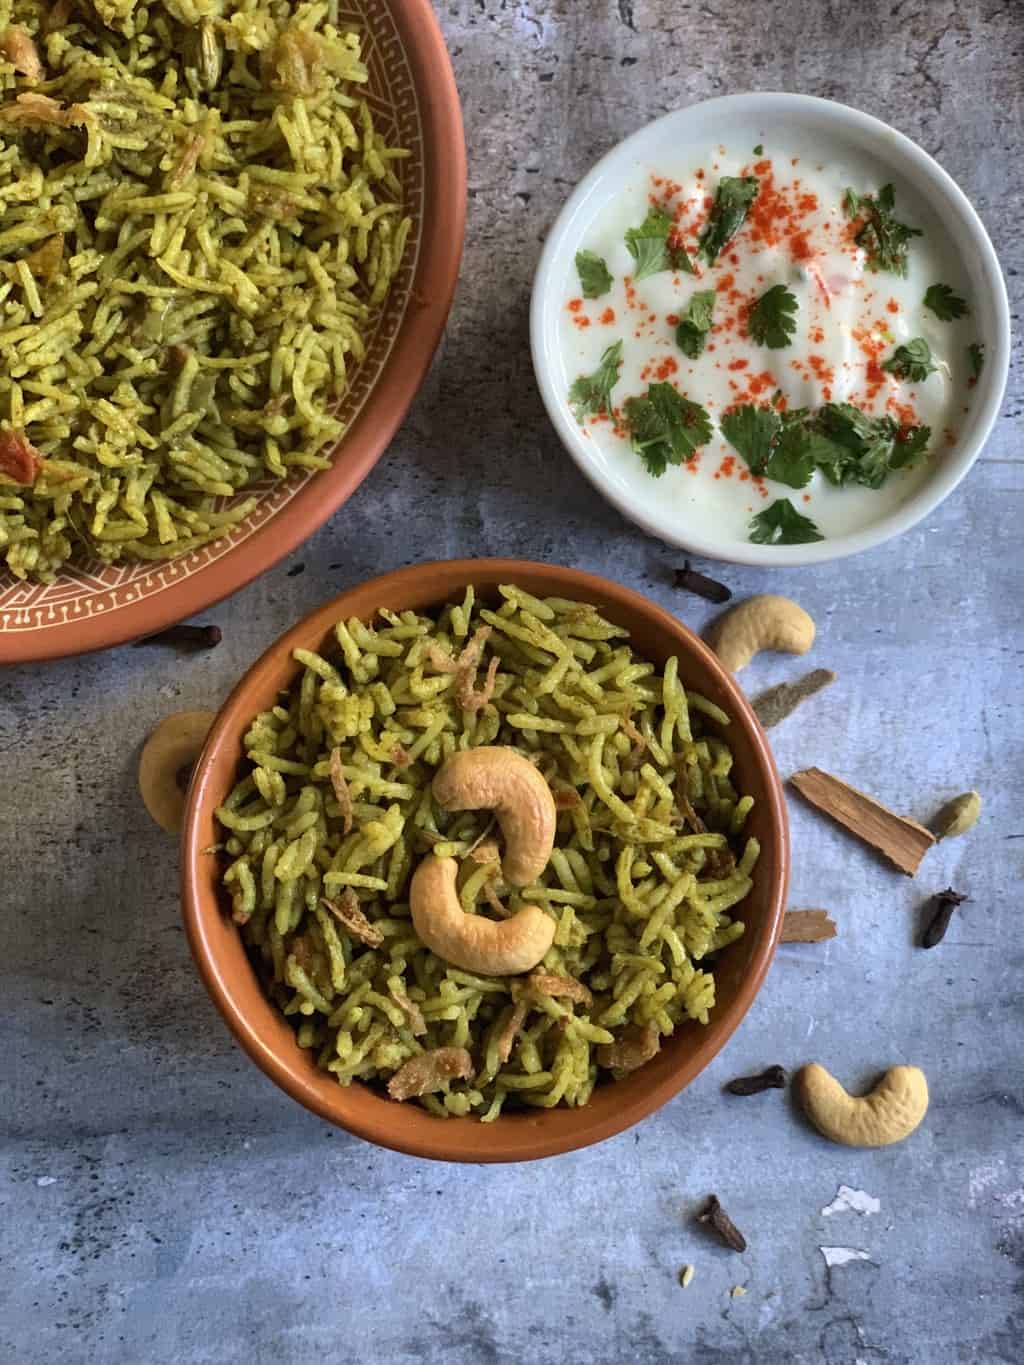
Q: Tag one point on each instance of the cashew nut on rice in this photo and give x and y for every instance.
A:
(166, 762)
(888, 1114)
(496, 777)
(475, 944)
(765, 622)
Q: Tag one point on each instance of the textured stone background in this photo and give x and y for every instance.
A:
(162, 1202)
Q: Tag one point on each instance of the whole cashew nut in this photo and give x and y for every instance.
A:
(486, 947)
(495, 777)
(765, 622)
(888, 1114)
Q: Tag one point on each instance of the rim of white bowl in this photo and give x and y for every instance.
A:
(942, 190)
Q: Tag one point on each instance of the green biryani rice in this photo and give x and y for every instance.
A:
(198, 221)
(335, 812)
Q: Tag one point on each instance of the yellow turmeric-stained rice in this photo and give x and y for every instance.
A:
(198, 222)
(335, 811)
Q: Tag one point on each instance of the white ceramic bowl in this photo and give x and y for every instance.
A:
(777, 119)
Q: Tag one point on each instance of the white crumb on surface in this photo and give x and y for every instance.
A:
(842, 1255)
(849, 1200)
(43, 1180)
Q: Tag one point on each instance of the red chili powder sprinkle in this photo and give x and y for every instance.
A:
(807, 497)
(822, 371)
(608, 316)
(738, 364)
(817, 335)
(904, 414)
(581, 322)
(574, 305)
(672, 319)
(950, 436)
(759, 383)
(893, 306)
(779, 213)
(666, 368)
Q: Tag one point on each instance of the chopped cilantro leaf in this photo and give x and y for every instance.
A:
(772, 319)
(910, 444)
(793, 459)
(846, 444)
(694, 325)
(912, 362)
(591, 394)
(759, 150)
(595, 277)
(976, 359)
(665, 427)
(752, 431)
(782, 524)
(733, 197)
(867, 446)
(651, 246)
(883, 237)
(940, 300)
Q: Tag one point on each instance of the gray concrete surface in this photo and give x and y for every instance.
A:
(162, 1202)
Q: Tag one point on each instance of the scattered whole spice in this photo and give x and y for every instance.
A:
(686, 1275)
(774, 705)
(938, 912)
(807, 926)
(690, 580)
(958, 816)
(716, 1217)
(773, 1078)
(185, 637)
(902, 841)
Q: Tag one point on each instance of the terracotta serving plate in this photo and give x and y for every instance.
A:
(264, 1033)
(416, 105)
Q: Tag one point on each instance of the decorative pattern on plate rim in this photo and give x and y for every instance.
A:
(92, 588)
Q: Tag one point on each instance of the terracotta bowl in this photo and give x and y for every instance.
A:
(268, 1037)
(416, 105)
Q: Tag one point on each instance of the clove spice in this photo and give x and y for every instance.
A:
(691, 580)
(717, 1218)
(185, 637)
(774, 1078)
(939, 912)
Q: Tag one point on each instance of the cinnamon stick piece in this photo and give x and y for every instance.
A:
(807, 926)
(903, 842)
